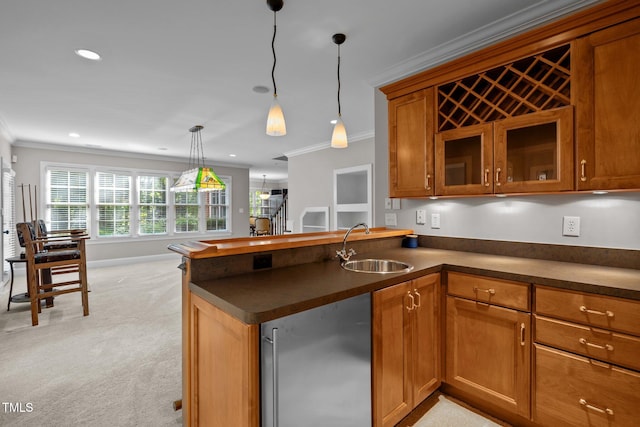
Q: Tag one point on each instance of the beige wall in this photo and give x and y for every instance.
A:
(28, 166)
(311, 176)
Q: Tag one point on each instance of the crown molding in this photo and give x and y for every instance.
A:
(361, 136)
(541, 13)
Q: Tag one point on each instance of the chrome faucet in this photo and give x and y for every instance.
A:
(343, 254)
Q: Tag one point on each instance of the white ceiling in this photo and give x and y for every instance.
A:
(168, 65)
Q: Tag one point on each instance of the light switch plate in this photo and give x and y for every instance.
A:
(421, 216)
(396, 203)
(435, 220)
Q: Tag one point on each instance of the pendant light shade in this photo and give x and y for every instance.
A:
(198, 177)
(339, 136)
(275, 120)
(264, 194)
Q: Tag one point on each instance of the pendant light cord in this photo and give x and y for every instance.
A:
(339, 110)
(273, 49)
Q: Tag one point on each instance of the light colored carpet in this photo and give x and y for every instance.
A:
(447, 413)
(119, 366)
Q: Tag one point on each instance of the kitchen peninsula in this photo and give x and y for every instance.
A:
(231, 287)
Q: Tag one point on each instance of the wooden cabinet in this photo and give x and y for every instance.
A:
(607, 90)
(488, 346)
(411, 145)
(406, 347)
(224, 369)
(586, 359)
(527, 153)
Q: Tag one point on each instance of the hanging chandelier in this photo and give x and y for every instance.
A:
(198, 177)
(264, 193)
(339, 136)
(275, 120)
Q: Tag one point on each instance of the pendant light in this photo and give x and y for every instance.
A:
(198, 177)
(264, 194)
(339, 136)
(275, 120)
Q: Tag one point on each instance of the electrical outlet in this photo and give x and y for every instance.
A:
(571, 226)
(421, 216)
(435, 220)
(390, 219)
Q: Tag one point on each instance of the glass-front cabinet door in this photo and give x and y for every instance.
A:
(534, 152)
(464, 159)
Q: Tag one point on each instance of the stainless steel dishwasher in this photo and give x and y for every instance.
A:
(316, 367)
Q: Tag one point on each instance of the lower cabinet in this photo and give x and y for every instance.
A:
(224, 378)
(406, 347)
(487, 346)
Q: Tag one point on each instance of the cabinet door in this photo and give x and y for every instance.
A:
(392, 394)
(426, 337)
(225, 372)
(411, 144)
(607, 90)
(534, 152)
(488, 353)
(464, 160)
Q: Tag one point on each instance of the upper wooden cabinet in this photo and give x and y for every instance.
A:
(529, 153)
(411, 145)
(607, 91)
(551, 110)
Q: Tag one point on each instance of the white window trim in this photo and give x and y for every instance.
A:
(134, 173)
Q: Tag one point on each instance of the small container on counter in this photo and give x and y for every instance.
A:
(410, 241)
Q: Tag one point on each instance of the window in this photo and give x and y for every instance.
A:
(215, 206)
(128, 203)
(113, 204)
(67, 202)
(152, 205)
(187, 208)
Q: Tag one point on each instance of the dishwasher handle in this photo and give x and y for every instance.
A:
(274, 351)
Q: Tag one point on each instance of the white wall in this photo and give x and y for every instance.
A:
(30, 156)
(610, 221)
(311, 176)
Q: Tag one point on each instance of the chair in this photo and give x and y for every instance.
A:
(43, 233)
(263, 226)
(252, 226)
(43, 264)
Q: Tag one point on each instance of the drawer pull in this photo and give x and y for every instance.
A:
(595, 408)
(522, 334)
(489, 291)
(599, 313)
(412, 302)
(583, 172)
(415, 291)
(590, 344)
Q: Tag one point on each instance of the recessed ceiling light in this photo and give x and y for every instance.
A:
(232, 155)
(334, 121)
(260, 89)
(162, 149)
(74, 135)
(88, 54)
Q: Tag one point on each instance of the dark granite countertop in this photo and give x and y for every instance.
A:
(265, 295)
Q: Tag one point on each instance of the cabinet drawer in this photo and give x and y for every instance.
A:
(489, 290)
(572, 390)
(596, 343)
(594, 310)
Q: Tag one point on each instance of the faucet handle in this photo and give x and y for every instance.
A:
(352, 252)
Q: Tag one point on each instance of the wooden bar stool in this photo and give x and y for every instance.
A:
(43, 265)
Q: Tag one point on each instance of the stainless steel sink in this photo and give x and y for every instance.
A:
(377, 266)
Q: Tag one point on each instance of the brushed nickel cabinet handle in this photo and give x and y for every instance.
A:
(412, 301)
(583, 170)
(608, 347)
(595, 408)
(274, 372)
(522, 334)
(599, 313)
(490, 291)
(498, 176)
(419, 298)
(486, 177)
